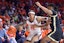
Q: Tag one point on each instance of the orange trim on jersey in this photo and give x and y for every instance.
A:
(45, 32)
(27, 33)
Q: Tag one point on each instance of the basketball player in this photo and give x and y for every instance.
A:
(34, 26)
(56, 34)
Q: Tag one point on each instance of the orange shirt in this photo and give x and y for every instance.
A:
(11, 31)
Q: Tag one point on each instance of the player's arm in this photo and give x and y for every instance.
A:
(42, 25)
(47, 11)
(46, 19)
(40, 18)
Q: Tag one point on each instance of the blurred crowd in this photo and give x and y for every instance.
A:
(15, 12)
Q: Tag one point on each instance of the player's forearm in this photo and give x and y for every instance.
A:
(44, 18)
(47, 11)
(39, 25)
(42, 25)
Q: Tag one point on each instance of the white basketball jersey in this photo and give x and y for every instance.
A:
(32, 23)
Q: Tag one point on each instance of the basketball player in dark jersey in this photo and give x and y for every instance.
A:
(56, 34)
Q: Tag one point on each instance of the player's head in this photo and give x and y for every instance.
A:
(51, 6)
(31, 15)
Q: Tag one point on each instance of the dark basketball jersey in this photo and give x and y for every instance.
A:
(56, 33)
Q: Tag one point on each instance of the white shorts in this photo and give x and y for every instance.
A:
(34, 32)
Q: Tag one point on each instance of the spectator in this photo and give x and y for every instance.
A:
(20, 35)
(3, 35)
(12, 34)
(11, 11)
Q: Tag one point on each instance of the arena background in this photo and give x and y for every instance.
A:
(14, 12)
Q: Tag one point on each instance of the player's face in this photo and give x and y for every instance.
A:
(31, 16)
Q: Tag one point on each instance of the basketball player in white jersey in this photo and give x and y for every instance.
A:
(34, 26)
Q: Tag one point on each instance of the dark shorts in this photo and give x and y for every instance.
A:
(57, 35)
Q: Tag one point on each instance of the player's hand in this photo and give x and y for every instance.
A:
(38, 4)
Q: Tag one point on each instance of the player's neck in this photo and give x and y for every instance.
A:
(31, 21)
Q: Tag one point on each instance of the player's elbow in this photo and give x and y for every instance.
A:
(49, 12)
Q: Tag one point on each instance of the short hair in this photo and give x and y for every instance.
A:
(52, 5)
